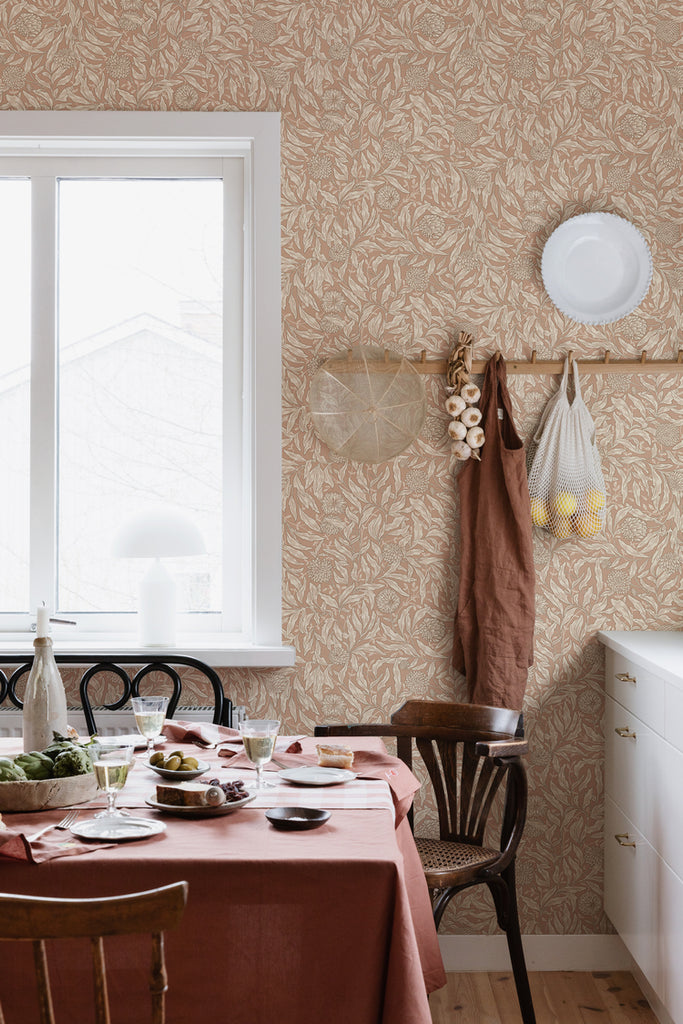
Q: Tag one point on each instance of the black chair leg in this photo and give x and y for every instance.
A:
(504, 892)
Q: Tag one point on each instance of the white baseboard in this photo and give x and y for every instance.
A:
(541, 952)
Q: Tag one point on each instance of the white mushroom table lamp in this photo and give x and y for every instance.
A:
(156, 535)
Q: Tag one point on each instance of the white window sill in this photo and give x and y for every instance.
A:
(211, 648)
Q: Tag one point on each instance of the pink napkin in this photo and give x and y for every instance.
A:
(15, 845)
(188, 732)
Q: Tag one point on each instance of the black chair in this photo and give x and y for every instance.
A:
(472, 757)
(222, 706)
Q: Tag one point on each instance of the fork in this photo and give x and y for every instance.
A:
(66, 823)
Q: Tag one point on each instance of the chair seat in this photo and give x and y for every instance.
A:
(441, 858)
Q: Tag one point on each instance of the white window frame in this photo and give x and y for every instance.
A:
(191, 136)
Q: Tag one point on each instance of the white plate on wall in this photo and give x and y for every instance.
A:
(596, 268)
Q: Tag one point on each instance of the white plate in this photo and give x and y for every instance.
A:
(201, 812)
(596, 268)
(117, 830)
(311, 775)
(133, 739)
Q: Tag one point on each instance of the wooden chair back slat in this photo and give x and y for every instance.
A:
(45, 1008)
(37, 918)
(100, 981)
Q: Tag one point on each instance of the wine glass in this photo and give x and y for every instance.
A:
(150, 715)
(259, 737)
(111, 763)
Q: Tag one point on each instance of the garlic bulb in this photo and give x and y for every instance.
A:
(475, 437)
(455, 405)
(457, 430)
(471, 417)
(471, 393)
(461, 450)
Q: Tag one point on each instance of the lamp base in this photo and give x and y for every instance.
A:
(157, 609)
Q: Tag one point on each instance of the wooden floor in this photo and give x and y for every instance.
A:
(560, 997)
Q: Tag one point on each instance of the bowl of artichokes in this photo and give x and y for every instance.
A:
(58, 776)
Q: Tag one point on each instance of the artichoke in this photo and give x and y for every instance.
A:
(11, 772)
(58, 747)
(36, 765)
(72, 762)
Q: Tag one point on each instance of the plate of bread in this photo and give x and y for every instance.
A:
(198, 800)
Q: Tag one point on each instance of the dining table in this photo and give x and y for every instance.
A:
(325, 926)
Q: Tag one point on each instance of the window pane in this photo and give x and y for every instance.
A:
(15, 358)
(140, 381)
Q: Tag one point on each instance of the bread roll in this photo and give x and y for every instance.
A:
(187, 794)
(331, 756)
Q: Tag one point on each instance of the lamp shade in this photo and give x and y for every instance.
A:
(158, 534)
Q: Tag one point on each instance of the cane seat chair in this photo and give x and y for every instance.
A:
(38, 918)
(474, 761)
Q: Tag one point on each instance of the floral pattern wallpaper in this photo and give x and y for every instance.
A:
(429, 147)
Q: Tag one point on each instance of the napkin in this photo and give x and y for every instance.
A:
(15, 845)
(188, 732)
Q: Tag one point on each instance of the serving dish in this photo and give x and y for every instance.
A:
(312, 775)
(596, 268)
(295, 819)
(41, 794)
(175, 776)
(202, 811)
(117, 830)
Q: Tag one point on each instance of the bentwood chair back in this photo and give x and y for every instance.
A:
(472, 756)
(38, 918)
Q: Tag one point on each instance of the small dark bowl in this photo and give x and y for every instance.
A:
(296, 818)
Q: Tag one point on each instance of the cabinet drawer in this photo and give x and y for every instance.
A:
(636, 688)
(631, 893)
(643, 776)
(644, 901)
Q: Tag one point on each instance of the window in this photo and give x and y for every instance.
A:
(140, 363)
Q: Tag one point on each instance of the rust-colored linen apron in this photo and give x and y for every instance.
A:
(494, 622)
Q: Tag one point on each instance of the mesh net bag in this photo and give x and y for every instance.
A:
(566, 486)
(369, 406)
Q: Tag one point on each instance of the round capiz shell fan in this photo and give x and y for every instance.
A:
(368, 406)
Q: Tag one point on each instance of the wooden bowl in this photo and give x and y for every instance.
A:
(46, 793)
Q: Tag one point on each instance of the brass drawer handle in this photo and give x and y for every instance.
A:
(625, 732)
(624, 677)
(622, 839)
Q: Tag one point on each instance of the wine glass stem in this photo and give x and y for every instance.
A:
(259, 783)
(111, 801)
(150, 745)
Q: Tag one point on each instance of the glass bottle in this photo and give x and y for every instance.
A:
(44, 699)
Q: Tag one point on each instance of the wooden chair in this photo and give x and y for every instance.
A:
(37, 918)
(469, 752)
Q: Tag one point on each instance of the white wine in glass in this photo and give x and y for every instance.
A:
(111, 764)
(259, 737)
(150, 715)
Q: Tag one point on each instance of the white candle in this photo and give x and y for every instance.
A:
(43, 621)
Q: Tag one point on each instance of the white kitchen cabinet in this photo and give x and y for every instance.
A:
(644, 804)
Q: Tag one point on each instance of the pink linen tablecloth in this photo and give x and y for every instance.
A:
(332, 925)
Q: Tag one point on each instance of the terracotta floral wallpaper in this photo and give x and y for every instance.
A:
(428, 149)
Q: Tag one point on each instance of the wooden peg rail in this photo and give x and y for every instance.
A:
(541, 366)
(532, 365)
